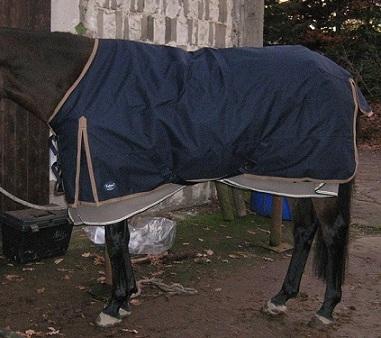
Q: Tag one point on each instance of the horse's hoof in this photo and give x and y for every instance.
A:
(320, 322)
(124, 312)
(105, 320)
(274, 310)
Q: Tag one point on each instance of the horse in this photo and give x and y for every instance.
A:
(36, 71)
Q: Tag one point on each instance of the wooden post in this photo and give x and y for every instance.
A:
(225, 198)
(239, 202)
(254, 20)
(276, 222)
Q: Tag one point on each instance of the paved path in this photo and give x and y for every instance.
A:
(367, 196)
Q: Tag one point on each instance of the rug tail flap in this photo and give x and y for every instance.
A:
(283, 187)
(361, 102)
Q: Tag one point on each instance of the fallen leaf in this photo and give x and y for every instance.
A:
(27, 269)
(268, 259)
(130, 331)
(251, 232)
(200, 239)
(58, 261)
(64, 270)
(53, 331)
(81, 287)
(242, 254)
(29, 333)
(98, 260)
(135, 301)
(101, 279)
(233, 256)
(40, 291)
(263, 230)
(86, 254)
(157, 273)
(209, 252)
(14, 278)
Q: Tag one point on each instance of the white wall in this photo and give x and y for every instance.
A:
(65, 15)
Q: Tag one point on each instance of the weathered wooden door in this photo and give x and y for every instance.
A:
(24, 155)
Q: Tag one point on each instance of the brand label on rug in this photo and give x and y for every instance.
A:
(109, 186)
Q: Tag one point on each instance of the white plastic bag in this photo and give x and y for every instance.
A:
(148, 235)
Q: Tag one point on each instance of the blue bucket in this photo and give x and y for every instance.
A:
(262, 204)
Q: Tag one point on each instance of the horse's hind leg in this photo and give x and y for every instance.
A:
(123, 279)
(305, 226)
(331, 249)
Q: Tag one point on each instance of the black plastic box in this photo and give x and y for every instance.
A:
(30, 235)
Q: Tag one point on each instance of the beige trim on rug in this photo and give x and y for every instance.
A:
(78, 164)
(75, 84)
(89, 162)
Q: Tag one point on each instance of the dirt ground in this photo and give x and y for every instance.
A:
(227, 265)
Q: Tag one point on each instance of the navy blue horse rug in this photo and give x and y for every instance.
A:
(143, 118)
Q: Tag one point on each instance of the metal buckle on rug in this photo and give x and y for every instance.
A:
(56, 166)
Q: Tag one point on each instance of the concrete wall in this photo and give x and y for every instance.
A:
(189, 24)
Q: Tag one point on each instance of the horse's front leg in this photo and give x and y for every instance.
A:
(305, 226)
(123, 279)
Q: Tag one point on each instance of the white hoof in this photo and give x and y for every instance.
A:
(323, 320)
(274, 310)
(105, 320)
(124, 313)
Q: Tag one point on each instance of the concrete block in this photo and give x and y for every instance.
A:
(182, 31)
(211, 34)
(220, 35)
(213, 10)
(170, 29)
(185, 4)
(201, 8)
(203, 33)
(144, 27)
(195, 33)
(172, 8)
(152, 6)
(150, 28)
(206, 9)
(190, 31)
(140, 6)
(109, 24)
(135, 31)
(222, 11)
(119, 24)
(113, 4)
(99, 32)
(193, 9)
(126, 31)
(159, 29)
(133, 5)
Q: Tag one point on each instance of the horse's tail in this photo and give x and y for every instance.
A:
(337, 236)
